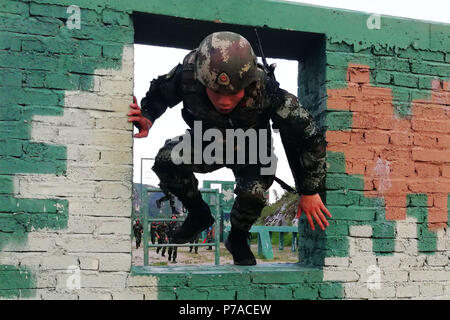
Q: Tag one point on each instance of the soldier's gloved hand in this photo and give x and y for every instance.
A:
(313, 206)
(141, 122)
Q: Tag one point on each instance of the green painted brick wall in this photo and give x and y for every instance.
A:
(408, 72)
(39, 59)
(16, 282)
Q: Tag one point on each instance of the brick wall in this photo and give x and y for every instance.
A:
(66, 157)
(388, 183)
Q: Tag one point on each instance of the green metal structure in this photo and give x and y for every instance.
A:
(226, 201)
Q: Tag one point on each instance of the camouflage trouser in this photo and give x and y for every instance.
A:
(153, 235)
(138, 237)
(161, 240)
(172, 251)
(180, 180)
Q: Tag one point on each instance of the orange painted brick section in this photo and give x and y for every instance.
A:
(401, 138)
(446, 171)
(377, 137)
(396, 155)
(358, 74)
(431, 155)
(338, 136)
(427, 170)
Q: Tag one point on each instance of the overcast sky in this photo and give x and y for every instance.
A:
(431, 10)
(153, 61)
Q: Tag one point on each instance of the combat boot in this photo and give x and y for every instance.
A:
(198, 219)
(237, 244)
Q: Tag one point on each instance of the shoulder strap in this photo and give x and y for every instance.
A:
(189, 83)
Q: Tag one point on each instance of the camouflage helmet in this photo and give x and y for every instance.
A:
(225, 62)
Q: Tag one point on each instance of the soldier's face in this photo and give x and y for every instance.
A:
(224, 103)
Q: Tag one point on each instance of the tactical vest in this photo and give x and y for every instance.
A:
(253, 111)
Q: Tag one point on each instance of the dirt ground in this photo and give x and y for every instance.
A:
(205, 257)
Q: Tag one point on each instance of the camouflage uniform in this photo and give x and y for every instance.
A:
(138, 229)
(303, 142)
(173, 251)
(153, 227)
(161, 232)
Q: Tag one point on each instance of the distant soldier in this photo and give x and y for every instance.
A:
(161, 235)
(173, 227)
(153, 232)
(138, 229)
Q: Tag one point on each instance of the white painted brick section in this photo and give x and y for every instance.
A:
(337, 261)
(361, 231)
(407, 290)
(54, 295)
(386, 291)
(94, 296)
(58, 262)
(406, 230)
(80, 225)
(80, 244)
(442, 237)
(117, 227)
(142, 281)
(406, 274)
(438, 260)
(89, 263)
(115, 262)
(97, 185)
(101, 172)
(36, 242)
(105, 280)
(359, 261)
(46, 279)
(431, 290)
(388, 262)
(31, 262)
(412, 261)
(128, 295)
(357, 291)
(100, 207)
(116, 157)
(447, 291)
(430, 275)
(114, 190)
(394, 276)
